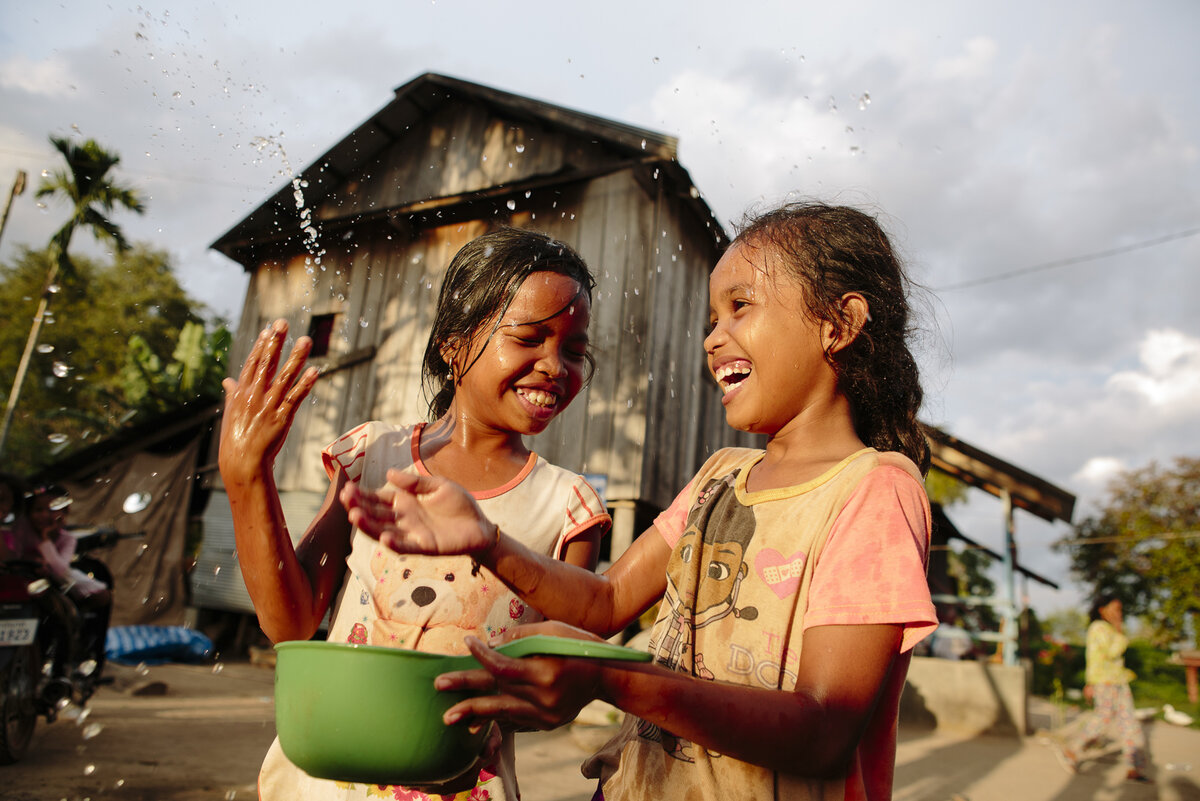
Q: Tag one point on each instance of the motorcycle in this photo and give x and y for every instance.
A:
(47, 659)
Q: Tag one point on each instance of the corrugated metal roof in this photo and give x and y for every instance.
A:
(415, 101)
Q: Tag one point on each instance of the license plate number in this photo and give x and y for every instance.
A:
(18, 631)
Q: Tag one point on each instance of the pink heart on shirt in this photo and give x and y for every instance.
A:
(780, 573)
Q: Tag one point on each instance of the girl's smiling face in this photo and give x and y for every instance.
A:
(533, 364)
(765, 351)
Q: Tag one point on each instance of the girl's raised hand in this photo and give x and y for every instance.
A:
(420, 514)
(261, 404)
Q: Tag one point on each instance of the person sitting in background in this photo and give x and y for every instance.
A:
(86, 619)
(56, 546)
(17, 540)
(950, 640)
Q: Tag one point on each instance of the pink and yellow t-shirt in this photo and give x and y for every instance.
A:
(847, 548)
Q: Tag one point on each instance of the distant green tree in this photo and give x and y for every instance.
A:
(93, 195)
(944, 488)
(76, 391)
(1144, 546)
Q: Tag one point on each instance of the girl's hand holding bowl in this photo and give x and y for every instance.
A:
(539, 692)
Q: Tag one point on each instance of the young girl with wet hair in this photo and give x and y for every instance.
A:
(508, 352)
(791, 579)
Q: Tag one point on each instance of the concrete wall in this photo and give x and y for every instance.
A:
(968, 697)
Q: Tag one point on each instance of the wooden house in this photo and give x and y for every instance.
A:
(353, 251)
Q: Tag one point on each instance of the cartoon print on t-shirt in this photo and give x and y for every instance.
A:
(704, 577)
(427, 603)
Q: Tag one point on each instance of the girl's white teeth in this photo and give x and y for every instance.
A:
(538, 398)
(737, 370)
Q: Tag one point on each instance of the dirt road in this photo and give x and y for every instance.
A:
(204, 735)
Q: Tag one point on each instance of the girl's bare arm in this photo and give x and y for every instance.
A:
(431, 515)
(290, 590)
(811, 731)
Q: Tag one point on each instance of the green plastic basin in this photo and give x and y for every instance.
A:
(361, 713)
(370, 714)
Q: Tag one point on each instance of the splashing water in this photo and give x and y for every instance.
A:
(311, 237)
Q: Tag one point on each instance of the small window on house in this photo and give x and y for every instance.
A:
(320, 330)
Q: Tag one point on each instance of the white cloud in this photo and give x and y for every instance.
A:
(1099, 471)
(1169, 380)
(51, 77)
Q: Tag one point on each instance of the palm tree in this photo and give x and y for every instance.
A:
(93, 195)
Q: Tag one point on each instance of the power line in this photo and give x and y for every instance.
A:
(1181, 535)
(1050, 265)
(127, 167)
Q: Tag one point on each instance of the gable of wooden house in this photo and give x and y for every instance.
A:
(357, 245)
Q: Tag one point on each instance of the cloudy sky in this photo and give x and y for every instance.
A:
(1038, 164)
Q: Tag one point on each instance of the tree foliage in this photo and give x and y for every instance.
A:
(196, 369)
(1144, 546)
(93, 195)
(78, 390)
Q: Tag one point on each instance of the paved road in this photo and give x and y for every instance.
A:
(204, 738)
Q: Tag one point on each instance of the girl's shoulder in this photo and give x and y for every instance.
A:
(900, 462)
(351, 451)
(727, 460)
(555, 479)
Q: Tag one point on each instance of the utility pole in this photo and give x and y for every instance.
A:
(18, 188)
(14, 393)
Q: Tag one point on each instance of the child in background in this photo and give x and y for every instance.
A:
(507, 353)
(1114, 716)
(792, 580)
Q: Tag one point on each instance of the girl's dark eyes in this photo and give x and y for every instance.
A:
(575, 353)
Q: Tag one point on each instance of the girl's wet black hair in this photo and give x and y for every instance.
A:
(833, 250)
(479, 286)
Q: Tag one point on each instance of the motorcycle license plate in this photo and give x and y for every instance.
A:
(18, 631)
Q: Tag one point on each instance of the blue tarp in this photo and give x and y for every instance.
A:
(132, 645)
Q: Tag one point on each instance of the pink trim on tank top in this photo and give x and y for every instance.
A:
(415, 446)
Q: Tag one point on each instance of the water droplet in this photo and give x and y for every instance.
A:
(54, 289)
(89, 770)
(512, 205)
(61, 369)
(91, 730)
(218, 667)
(217, 570)
(520, 148)
(45, 347)
(87, 667)
(362, 322)
(57, 439)
(643, 144)
(864, 101)
(325, 556)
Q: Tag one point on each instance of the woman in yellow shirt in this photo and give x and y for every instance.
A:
(1108, 688)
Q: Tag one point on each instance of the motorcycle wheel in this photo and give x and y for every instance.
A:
(18, 708)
